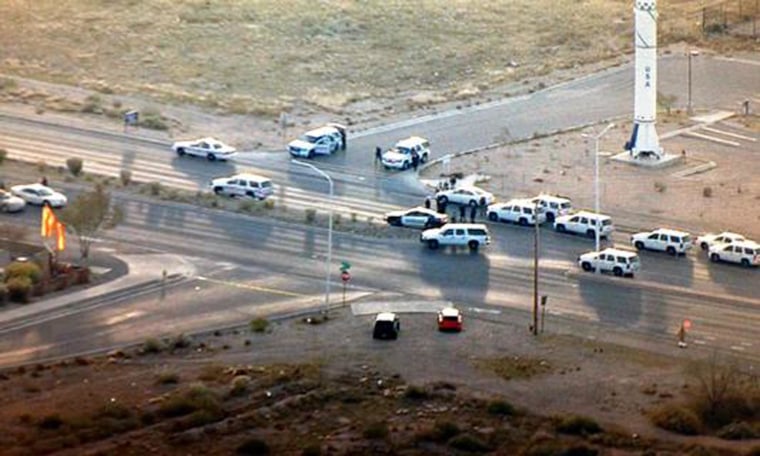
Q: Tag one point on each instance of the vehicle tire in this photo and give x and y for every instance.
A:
(181, 151)
(394, 221)
(218, 190)
(473, 245)
(618, 272)
(591, 233)
(310, 154)
(406, 165)
(745, 262)
(250, 194)
(671, 250)
(493, 216)
(550, 217)
(704, 246)
(443, 200)
(523, 221)
(424, 158)
(211, 157)
(561, 228)
(586, 266)
(639, 245)
(432, 244)
(714, 257)
(473, 203)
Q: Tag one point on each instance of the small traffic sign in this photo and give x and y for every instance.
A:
(345, 266)
(345, 276)
(687, 324)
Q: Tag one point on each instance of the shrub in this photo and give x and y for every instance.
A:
(152, 345)
(677, 419)
(153, 122)
(19, 289)
(578, 425)
(195, 398)
(707, 192)
(115, 410)
(247, 205)
(3, 293)
(125, 176)
(444, 431)
(27, 269)
(259, 325)
(311, 215)
(337, 218)
(269, 204)
(737, 431)
(180, 341)
(52, 421)
(472, 444)
(311, 450)
(660, 187)
(154, 188)
(167, 378)
(240, 385)
(416, 392)
(500, 407)
(74, 165)
(376, 430)
(3, 155)
(580, 450)
(252, 447)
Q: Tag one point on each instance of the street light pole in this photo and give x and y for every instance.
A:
(328, 262)
(596, 180)
(535, 268)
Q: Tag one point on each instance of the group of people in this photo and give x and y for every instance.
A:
(441, 207)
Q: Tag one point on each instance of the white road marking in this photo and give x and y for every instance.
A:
(728, 133)
(713, 139)
(124, 317)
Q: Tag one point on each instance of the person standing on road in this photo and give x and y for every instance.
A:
(378, 155)
(462, 213)
(415, 161)
(428, 202)
(473, 213)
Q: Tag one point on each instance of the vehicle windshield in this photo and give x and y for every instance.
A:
(384, 325)
(451, 318)
(606, 222)
(266, 184)
(311, 138)
(44, 191)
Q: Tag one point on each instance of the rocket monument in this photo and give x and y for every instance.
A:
(644, 142)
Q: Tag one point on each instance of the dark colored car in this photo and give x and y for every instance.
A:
(387, 326)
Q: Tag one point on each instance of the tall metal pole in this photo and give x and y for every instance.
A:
(597, 228)
(328, 262)
(689, 109)
(535, 269)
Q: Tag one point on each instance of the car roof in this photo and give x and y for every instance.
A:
(521, 201)
(34, 186)
(621, 252)
(464, 225)
(385, 316)
(556, 198)
(321, 131)
(450, 312)
(300, 144)
(588, 214)
(410, 141)
(248, 176)
(669, 231)
(747, 243)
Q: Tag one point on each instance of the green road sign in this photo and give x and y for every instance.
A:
(345, 266)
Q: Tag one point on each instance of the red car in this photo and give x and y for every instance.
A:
(449, 319)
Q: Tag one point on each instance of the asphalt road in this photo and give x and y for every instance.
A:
(246, 264)
(287, 260)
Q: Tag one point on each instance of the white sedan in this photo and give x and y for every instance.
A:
(710, 239)
(418, 217)
(210, 148)
(468, 196)
(39, 194)
(10, 203)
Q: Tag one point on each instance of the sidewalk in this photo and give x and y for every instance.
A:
(120, 274)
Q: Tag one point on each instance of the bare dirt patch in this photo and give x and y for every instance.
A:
(331, 389)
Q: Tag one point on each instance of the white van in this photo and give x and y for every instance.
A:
(321, 141)
(472, 235)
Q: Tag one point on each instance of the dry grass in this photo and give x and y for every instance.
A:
(261, 57)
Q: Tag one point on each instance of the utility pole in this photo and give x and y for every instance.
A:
(535, 269)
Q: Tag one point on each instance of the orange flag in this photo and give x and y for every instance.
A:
(50, 226)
